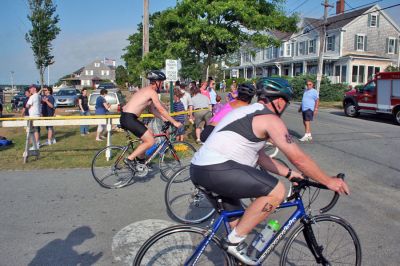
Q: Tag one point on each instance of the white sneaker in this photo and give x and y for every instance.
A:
(238, 251)
(54, 141)
(306, 138)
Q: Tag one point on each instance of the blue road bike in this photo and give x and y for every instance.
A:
(317, 240)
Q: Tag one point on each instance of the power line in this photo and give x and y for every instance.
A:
(347, 4)
(347, 18)
(298, 6)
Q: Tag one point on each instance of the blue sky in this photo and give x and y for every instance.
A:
(94, 29)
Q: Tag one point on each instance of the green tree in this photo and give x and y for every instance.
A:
(214, 28)
(121, 76)
(44, 31)
(203, 32)
(392, 69)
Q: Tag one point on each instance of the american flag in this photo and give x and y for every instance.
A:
(109, 62)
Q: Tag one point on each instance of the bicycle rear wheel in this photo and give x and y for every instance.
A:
(175, 245)
(184, 201)
(171, 160)
(112, 173)
(335, 236)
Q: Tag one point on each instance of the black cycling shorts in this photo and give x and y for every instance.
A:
(233, 181)
(130, 122)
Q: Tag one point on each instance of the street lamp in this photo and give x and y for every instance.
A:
(12, 80)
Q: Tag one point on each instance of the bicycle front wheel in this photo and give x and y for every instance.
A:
(334, 237)
(175, 157)
(175, 245)
(184, 201)
(109, 169)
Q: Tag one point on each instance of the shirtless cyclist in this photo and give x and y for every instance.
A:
(145, 97)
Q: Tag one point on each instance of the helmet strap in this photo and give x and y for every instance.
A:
(275, 109)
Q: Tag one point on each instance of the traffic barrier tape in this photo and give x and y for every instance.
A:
(70, 117)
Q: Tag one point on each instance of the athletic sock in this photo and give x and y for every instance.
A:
(234, 238)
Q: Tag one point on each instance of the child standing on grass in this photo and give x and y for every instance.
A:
(179, 107)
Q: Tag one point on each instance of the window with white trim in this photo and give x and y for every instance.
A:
(330, 43)
(373, 22)
(311, 46)
(302, 48)
(288, 49)
(391, 45)
(360, 42)
(97, 64)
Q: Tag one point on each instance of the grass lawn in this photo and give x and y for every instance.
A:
(71, 150)
(338, 105)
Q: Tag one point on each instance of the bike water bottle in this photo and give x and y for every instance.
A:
(265, 235)
(151, 149)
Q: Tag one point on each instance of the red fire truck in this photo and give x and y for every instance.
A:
(380, 95)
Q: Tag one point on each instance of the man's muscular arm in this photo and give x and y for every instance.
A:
(161, 110)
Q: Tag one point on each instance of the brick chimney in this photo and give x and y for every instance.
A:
(339, 7)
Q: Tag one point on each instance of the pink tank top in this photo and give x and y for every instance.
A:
(218, 116)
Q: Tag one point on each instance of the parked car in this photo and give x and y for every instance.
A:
(106, 85)
(115, 98)
(66, 97)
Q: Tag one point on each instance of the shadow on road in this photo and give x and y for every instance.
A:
(380, 118)
(61, 251)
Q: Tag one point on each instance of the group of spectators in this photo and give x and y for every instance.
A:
(37, 105)
(201, 101)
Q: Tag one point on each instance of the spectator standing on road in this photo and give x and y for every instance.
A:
(25, 110)
(309, 109)
(48, 110)
(179, 107)
(222, 86)
(102, 108)
(34, 107)
(84, 110)
(200, 101)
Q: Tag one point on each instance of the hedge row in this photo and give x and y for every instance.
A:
(328, 91)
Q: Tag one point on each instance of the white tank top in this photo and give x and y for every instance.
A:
(233, 138)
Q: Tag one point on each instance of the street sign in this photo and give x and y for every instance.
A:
(171, 69)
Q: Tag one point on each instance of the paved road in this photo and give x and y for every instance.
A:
(62, 217)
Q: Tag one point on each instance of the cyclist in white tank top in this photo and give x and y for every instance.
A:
(225, 163)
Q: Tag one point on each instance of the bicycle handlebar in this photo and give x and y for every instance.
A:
(166, 126)
(304, 183)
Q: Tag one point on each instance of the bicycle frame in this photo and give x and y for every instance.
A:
(299, 213)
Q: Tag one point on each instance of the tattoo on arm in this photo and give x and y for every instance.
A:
(267, 207)
(289, 138)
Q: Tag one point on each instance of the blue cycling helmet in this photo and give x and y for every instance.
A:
(274, 88)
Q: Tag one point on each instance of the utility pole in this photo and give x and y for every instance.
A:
(322, 46)
(145, 34)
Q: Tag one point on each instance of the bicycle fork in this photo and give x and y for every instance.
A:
(312, 244)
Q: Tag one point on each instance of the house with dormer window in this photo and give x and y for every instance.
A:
(358, 44)
(93, 74)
